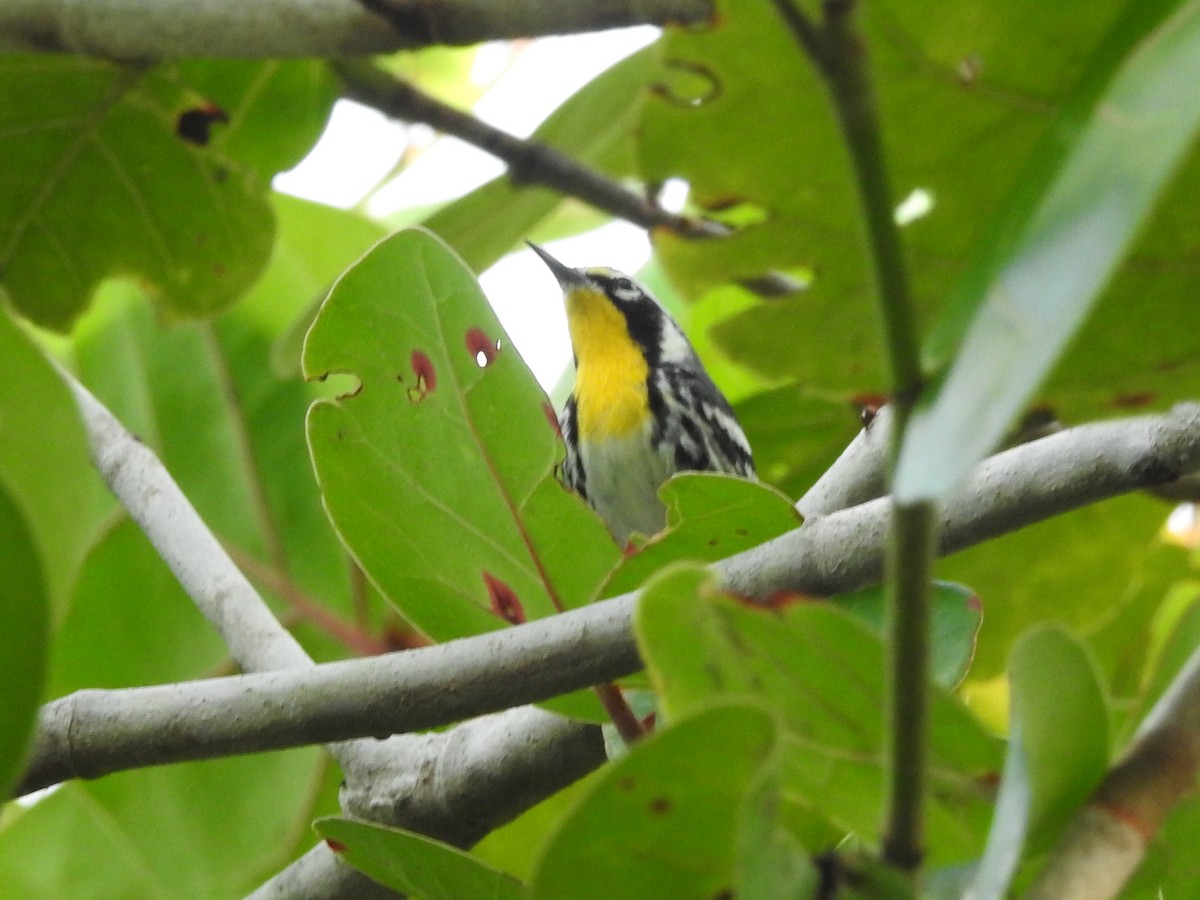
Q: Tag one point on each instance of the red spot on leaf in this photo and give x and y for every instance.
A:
(194, 125)
(482, 348)
(335, 846)
(784, 599)
(649, 722)
(503, 600)
(548, 411)
(974, 604)
(1134, 399)
(426, 377)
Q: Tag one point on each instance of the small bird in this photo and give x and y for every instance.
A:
(642, 408)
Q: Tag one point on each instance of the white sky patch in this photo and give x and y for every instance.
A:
(918, 204)
(359, 147)
(528, 300)
(674, 195)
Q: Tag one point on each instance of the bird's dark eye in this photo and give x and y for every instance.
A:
(625, 287)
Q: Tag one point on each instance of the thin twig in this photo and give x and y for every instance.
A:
(839, 54)
(529, 162)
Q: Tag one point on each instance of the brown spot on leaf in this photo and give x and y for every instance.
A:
(503, 600)
(626, 783)
(1134, 399)
(335, 846)
(194, 125)
(648, 722)
(660, 805)
(548, 411)
(426, 377)
(482, 348)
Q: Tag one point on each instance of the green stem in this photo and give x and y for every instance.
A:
(839, 53)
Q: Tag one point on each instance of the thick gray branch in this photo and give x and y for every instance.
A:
(260, 29)
(96, 732)
(439, 685)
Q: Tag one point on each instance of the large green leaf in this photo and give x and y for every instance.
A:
(416, 865)
(24, 633)
(822, 672)
(1058, 751)
(965, 91)
(121, 170)
(1089, 188)
(438, 470)
(44, 460)
(670, 812)
(1085, 569)
(199, 830)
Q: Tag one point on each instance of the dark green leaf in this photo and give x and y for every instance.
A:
(101, 179)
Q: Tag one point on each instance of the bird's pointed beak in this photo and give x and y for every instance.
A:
(567, 277)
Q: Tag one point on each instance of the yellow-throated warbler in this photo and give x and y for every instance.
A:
(642, 407)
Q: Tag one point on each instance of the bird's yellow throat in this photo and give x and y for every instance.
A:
(610, 381)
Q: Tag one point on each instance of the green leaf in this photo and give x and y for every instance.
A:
(1176, 644)
(416, 865)
(438, 472)
(99, 183)
(229, 430)
(1089, 190)
(956, 616)
(670, 812)
(24, 624)
(594, 127)
(44, 461)
(1057, 751)
(314, 244)
(1084, 569)
(277, 109)
(198, 830)
(821, 671)
(709, 517)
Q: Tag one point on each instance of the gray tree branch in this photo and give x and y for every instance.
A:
(1108, 838)
(95, 732)
(263, 29)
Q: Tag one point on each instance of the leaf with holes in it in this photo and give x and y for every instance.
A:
(108, 171)
(438, 470)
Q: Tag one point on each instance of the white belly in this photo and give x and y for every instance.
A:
(623, 477)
